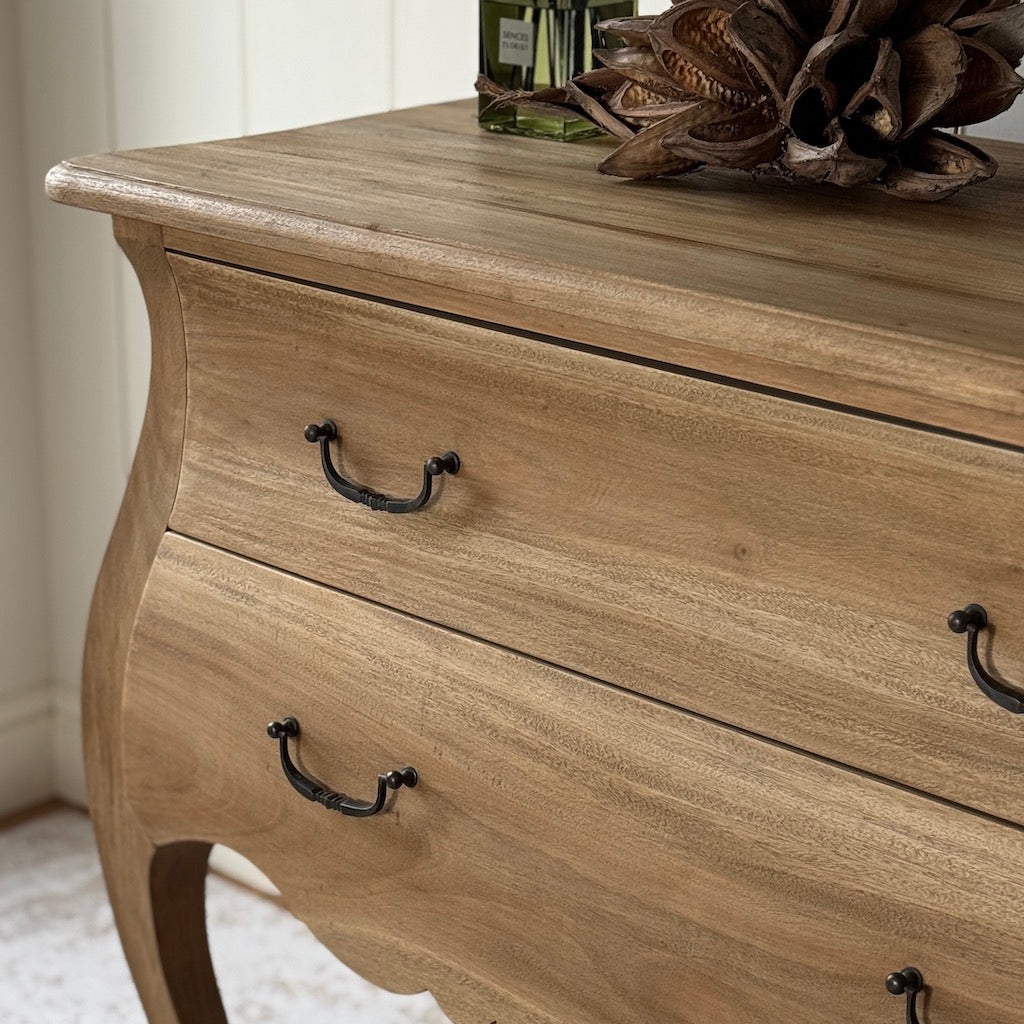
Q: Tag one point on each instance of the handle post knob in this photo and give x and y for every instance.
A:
(320, 431)
(907, 982)
(972, 619)
(971, 616)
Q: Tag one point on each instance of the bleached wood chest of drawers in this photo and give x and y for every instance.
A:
(667, 645)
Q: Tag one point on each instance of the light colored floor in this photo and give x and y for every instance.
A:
(61, 962)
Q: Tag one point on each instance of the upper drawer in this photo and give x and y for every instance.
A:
(778, 566)
(571, 854)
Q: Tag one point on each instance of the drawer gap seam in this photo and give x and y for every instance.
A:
(778, 744)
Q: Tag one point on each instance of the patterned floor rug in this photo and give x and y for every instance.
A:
(61, 962)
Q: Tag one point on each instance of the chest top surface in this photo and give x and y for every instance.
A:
(908, 310)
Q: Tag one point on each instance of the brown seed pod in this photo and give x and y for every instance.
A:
(640, 65)
(1004, 33)
(768, 46)
(643, 156)
(746, 139)
(634, 102)
(632, 31)
(598, 112)
(869, 15)
(934, 165)
(848, 92)
(874, 113)
(931, 63)
(988, 87)
(837, 162)
(693, 44)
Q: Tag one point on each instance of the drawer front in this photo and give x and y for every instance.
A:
(572, 853)
(780, 567)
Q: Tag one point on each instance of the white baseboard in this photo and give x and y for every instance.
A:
(68, 764)
(26, 742)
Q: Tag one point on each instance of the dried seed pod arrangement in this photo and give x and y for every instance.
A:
(851, 92)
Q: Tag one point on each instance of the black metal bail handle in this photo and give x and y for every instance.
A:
(906, 982)
(971, 619)
(327, 431)
(313, 790)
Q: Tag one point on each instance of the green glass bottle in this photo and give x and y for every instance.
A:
(534, 44)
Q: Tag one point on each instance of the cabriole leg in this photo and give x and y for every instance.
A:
(158, 896)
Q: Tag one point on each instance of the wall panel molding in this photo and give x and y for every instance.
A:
(26, 761)
(20, 706)
(64, 90)
(436, 48)
(68, 764)
(321, 60)
(23, 609)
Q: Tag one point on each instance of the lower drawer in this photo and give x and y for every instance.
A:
(572, 853)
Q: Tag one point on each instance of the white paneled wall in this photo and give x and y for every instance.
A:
(102, 74)
(79, 372)
(1009, 126)
(435, 51)
(176, 71)
(345, 73)
(25, 698)
(176, 74)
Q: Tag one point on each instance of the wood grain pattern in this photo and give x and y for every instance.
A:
(572, 854)
(575, 853)
(784, 568)
(906, 310)
(157, 895)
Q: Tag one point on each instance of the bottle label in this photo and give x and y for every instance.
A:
(515, 42)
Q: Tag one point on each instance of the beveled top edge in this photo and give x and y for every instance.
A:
(910, 310)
